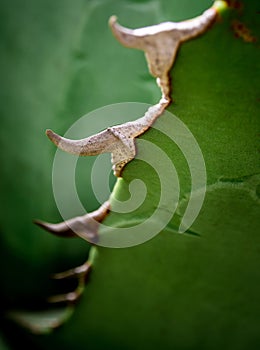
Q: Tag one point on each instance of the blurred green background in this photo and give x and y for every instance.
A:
(60, 61)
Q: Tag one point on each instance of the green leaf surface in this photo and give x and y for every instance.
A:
(197, 290)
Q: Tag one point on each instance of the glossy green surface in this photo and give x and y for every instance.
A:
(176, 291)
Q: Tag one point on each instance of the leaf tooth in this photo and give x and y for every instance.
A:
(125, 36)
(160, 42)
(60, 229)
(90, 146)
(85, 226)
(78, 271)
(81, 273)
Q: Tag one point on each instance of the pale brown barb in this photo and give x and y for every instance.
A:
(118, 140)
(85, 226)
(81, 274)
(160, 42)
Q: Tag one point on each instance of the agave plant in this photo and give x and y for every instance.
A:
(196, 289)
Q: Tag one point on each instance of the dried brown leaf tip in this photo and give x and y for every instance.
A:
(161, 42)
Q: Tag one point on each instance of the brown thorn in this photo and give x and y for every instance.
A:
(76, 272)
(85, 226)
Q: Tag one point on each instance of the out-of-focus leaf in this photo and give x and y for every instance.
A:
(41, 322)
